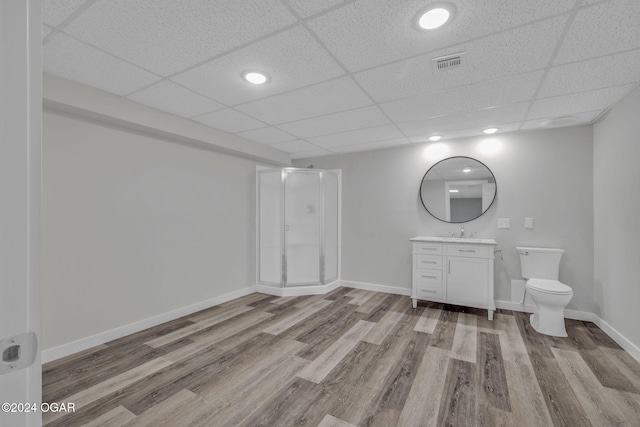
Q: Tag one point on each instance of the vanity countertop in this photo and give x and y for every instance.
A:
(464, 240)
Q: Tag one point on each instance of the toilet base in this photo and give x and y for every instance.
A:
(552, 325)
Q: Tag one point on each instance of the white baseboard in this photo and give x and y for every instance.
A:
(622, 341)
(67, 349)
(527, 308)
(586, 316)
(378, 288)
(296, 291)
(318, 290)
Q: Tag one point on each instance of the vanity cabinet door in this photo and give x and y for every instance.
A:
(466, 280)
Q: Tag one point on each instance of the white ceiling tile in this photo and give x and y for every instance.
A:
(381, 31)
(267, 135)
(296, 146)
(292, 59)
(202, 46)
(371, 145)
(564, 105)
(170, 97)
(464, 133)
(54, 12)
(357, 136)
(613, 70)
(581, 118)
(229, 120)
(602, 29)
(66, 57)
(166, 36)
(306, 8)
(473, 119)
(337, 122)
(512, 52)
(507, 90)
(324, 98)
(309, 154)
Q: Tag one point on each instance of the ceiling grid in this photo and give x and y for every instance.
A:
(347, 76)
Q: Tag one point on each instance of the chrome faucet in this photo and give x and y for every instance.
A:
(461, 231)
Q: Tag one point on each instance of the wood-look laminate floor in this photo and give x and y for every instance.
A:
(350, 357)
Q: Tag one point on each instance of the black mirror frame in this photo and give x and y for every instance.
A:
(495, 195)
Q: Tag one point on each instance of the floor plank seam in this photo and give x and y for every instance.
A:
(348, 358)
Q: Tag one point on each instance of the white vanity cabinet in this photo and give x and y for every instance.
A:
(454, 271)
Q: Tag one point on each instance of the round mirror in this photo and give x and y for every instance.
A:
(458, 189)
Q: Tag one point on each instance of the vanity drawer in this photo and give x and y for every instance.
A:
(471, 251)
(429, 284)
(427, 248)
(433, 262)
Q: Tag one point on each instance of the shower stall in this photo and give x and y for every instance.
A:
(298, 229)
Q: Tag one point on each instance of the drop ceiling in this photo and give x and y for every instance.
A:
(349, 76)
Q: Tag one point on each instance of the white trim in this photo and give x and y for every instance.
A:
(21, 195)
(296, 291)
(622, 341)
(569, 314)
(67, 349)
(378, 288)
(586, 316)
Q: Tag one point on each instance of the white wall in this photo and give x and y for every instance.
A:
(544, 174)
(135, 226)
(616, 227)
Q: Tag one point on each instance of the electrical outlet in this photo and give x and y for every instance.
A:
(504, 223)
(528, 223)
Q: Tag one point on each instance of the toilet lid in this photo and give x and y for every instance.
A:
(549, 286)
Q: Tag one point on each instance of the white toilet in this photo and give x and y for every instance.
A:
(540, 267)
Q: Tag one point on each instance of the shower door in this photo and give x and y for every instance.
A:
(303, 219)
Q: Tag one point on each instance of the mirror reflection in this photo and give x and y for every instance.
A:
(458, 189)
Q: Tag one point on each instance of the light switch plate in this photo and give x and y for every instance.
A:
(528, 223)
(504, 223)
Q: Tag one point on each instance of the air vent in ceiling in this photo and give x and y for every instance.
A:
(446, 63)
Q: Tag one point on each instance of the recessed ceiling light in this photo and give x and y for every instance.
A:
(434, 138)
(435, 16)
(453, 191)
(255, 77)
(466, 170)
(489, 131)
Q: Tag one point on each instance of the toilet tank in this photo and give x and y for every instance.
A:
(540, 263)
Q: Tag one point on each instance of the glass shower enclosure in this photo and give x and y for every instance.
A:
(298, 227)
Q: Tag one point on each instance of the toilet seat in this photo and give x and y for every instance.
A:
(549, 286)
